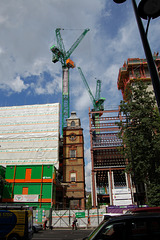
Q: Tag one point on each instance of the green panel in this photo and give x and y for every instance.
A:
(18, 188)
(34, 188)
(36, 172)
(20, 172)
(47, 171)
(10, 172)
(46, 206)
(46, 190)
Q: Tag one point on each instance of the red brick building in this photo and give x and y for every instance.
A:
(73, 164)
(135, 69)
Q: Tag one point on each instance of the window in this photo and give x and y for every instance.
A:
(25, 190)
(72, 153)
(113, 231)
(28, 174)
(73, 177)
(73, 124)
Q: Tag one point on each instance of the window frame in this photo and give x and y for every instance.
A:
(72, 156)
(24, 190)
(73, 124)
(71, 176)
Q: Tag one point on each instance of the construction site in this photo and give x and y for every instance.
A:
(44, 167)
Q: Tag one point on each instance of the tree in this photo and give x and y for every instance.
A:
(89, 202)
(140, 134)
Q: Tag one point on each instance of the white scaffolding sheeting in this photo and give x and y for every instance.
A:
(30, 134)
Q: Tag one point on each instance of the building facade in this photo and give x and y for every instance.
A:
(73, 164)
(135, 69)
(34, 185)
(29, 150)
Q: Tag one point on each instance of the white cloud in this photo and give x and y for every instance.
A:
(18, 85)
(1, 50)
(3, 19)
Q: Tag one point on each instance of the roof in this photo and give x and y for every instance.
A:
(73, 115)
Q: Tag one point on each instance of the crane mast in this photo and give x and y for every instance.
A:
(60, 54)
(98, 90)
(97, 101)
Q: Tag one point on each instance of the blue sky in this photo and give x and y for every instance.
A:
(27, 74)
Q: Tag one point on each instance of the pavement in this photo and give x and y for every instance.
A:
(62, 234)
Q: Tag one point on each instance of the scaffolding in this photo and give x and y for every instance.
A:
(110, 184)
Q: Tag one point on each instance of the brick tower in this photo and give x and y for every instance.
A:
(73, 164)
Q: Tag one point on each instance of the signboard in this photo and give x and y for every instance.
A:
(120, 209)
(122, 202)
(25, 198)
(80, 214)
(122, 197)
(121, 191)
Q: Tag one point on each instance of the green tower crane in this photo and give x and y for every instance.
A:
(61, 55)
(97, 101)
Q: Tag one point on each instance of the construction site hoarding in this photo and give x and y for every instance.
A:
(30, 134)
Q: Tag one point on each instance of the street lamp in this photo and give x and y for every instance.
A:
(150, 9)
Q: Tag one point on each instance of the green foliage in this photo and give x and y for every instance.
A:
(141, 137)
(153, 194)
(89, 203)
(7, 191)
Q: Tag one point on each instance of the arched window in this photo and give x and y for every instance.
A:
(73, 124)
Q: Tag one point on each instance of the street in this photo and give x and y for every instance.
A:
(62, 234)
